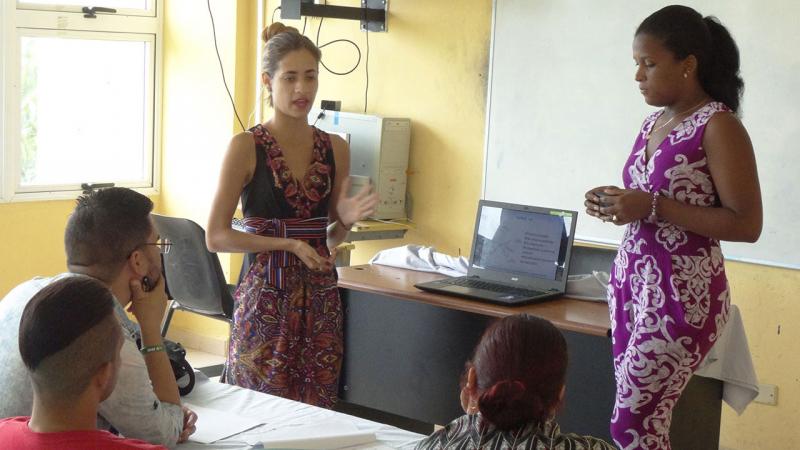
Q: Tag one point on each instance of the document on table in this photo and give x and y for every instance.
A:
(330, 434)
(213, 425)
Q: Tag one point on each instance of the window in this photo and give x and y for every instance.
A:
(81, 96)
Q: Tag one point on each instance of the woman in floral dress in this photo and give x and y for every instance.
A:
(286, 337)
(690, 181)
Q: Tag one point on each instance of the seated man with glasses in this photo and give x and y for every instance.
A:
(111, 237)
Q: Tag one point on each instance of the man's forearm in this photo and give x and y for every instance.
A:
(159, 368)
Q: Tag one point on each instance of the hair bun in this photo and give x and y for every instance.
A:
(276, 28)
(507, 390)
(508, 404)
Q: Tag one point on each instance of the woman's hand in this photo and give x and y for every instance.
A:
(619, 206)
(309, 256)
(332, 259)
(358, 207)
(595, 201)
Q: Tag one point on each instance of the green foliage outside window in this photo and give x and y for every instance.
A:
(28, 123)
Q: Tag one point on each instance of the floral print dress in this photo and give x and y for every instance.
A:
(286, 337)
(668, 294)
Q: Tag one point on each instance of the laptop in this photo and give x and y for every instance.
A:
(520, 254)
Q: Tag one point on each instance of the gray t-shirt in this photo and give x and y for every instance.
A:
(15, 385)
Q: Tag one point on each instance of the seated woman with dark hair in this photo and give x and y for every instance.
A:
(511, 391)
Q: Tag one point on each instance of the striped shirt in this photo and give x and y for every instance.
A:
(473, 432)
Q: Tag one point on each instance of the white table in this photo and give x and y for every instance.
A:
(279, 412)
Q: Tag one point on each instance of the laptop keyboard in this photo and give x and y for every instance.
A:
(486, 286)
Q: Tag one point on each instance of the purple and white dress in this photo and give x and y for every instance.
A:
(668, 294)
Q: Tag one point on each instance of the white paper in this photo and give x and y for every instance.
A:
(213, 425)
(327, 435)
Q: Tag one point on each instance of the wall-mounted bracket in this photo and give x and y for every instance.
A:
(371, 14)
(375, 25)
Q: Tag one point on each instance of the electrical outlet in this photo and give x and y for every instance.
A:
(767, 394)
(331, 105)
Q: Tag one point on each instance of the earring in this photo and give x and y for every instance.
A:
(685, 74)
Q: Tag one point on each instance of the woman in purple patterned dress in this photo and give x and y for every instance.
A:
(690, 182)
(286, 337)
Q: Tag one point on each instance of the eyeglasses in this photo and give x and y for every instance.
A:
(164, 245)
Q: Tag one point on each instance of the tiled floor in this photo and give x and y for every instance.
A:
(198, 359)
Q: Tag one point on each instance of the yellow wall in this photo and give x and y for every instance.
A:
(767, 298)
(431, 67)
(32, 242)
(198, 118)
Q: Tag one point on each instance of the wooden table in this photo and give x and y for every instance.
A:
(565, 313)
(405, 351)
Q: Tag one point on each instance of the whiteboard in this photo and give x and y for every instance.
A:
(563, 108)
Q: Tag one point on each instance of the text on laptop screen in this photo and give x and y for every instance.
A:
(527, 243)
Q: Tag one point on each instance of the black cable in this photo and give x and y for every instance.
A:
(221, 69)
(272, 20)
(333, 42)
(319, 116)
(354, 67)
(320, 26)
(305, 21)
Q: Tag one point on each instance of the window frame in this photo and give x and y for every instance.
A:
(150, 11)
(19, 21)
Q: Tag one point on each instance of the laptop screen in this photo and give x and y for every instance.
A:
(523, 242)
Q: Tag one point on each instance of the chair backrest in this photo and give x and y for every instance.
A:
(194, 275)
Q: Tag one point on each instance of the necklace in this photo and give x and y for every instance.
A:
(647, 136)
